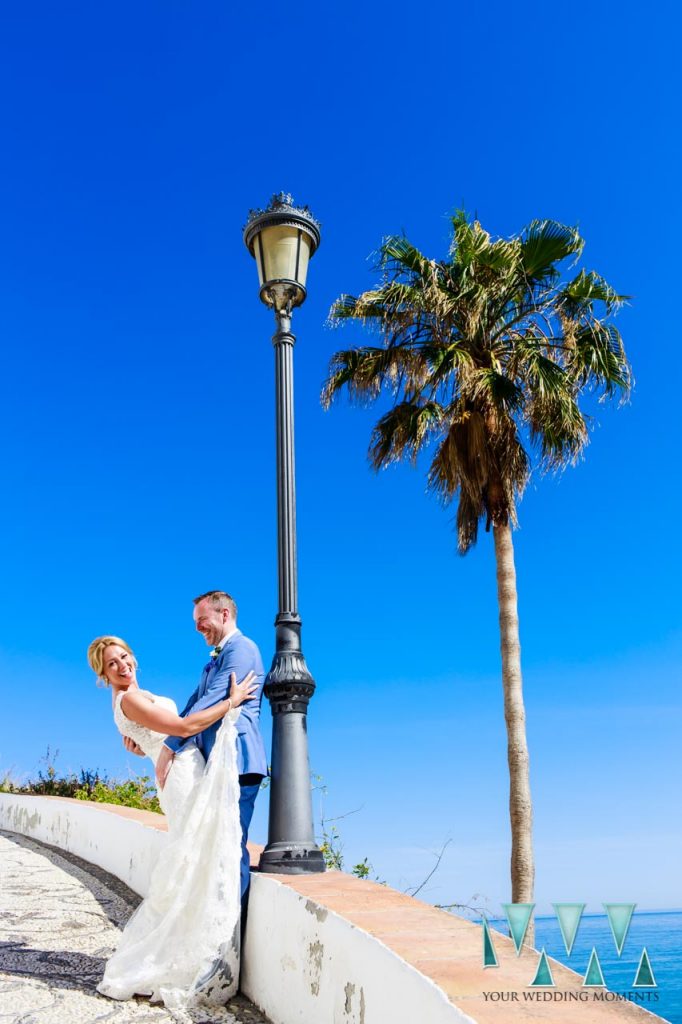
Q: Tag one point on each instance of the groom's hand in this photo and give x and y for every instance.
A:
(163, 766)
(132, 747)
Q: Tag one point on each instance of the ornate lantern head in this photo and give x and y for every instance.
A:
(282, 238)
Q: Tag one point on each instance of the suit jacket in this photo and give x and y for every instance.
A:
(239, 655)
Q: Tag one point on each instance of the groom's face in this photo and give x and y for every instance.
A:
(211, 622)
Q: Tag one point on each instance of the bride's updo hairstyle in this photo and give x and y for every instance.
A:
(96, 655)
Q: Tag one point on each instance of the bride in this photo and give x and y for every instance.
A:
(181, 946)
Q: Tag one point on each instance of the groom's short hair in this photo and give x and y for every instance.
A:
(219, 599)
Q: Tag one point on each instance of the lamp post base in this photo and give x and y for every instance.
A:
(289, 686)
(291, 859)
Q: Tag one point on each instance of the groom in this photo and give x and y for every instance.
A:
(215, 617)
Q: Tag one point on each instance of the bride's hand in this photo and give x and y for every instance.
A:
(132, 747)
(239, 692)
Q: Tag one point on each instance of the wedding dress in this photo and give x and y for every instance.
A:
(181, 946)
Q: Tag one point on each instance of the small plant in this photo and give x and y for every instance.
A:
(138, 792)
(331, 848)
(329, 839)
(362, 869)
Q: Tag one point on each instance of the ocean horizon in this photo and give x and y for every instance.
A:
(659, 931)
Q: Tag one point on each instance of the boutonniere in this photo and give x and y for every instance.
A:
(215, 652)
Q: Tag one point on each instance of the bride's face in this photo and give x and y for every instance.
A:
(119, 667)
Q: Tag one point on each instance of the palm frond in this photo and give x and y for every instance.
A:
(500, 255)
(469, 514)
(469, 241)
(514, 465)
(447, 477)
(403, 431)
(543, 374)
(492, 390)
(364, 371)
(378, 303)
(597, 359)
(546, 243)
(347, 307)
(557, 428)
(444, 474)
(398, 255)
(446, 361)
(585, 289)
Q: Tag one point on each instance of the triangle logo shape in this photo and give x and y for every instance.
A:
(518, 916)
(645, 975)
(568, 916)
(543, 976)
(620, 915)
(594, 977)
(489, 955)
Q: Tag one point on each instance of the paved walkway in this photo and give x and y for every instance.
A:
(59, 921)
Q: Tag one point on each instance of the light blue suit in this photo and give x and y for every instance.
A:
(239, 655)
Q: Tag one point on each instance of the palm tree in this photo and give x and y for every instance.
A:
(486, 355)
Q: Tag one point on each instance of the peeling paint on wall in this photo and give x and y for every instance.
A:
(356, 1014)
(315, 954)
(319, 912)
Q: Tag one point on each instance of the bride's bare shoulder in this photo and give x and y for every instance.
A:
(133, 698)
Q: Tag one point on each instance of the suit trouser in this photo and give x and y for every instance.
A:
(248, 791)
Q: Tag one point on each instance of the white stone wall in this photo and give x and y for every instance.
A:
(122, 846)
(304, 964)
(301, 963)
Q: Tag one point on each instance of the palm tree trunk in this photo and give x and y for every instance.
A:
(520, 804)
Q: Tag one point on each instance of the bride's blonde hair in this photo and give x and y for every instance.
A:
(96, 654)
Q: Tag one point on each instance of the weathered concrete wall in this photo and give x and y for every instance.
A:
(120, 843)
(305, 964)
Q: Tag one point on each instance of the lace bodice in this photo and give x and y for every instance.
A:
(148, 740)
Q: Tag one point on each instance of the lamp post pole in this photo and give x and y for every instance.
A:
(289, 685)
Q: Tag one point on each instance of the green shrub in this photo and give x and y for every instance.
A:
(138, 792)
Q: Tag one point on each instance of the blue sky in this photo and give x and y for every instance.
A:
(137, 410)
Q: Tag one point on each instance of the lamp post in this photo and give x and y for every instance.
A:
(282, 238)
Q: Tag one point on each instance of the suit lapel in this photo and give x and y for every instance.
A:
(214, 662)
(204, 677)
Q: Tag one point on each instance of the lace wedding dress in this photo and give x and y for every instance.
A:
(181, 946)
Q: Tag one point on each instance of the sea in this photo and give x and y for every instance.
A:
(660, 932)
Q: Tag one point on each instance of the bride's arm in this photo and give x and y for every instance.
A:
(141, 710)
